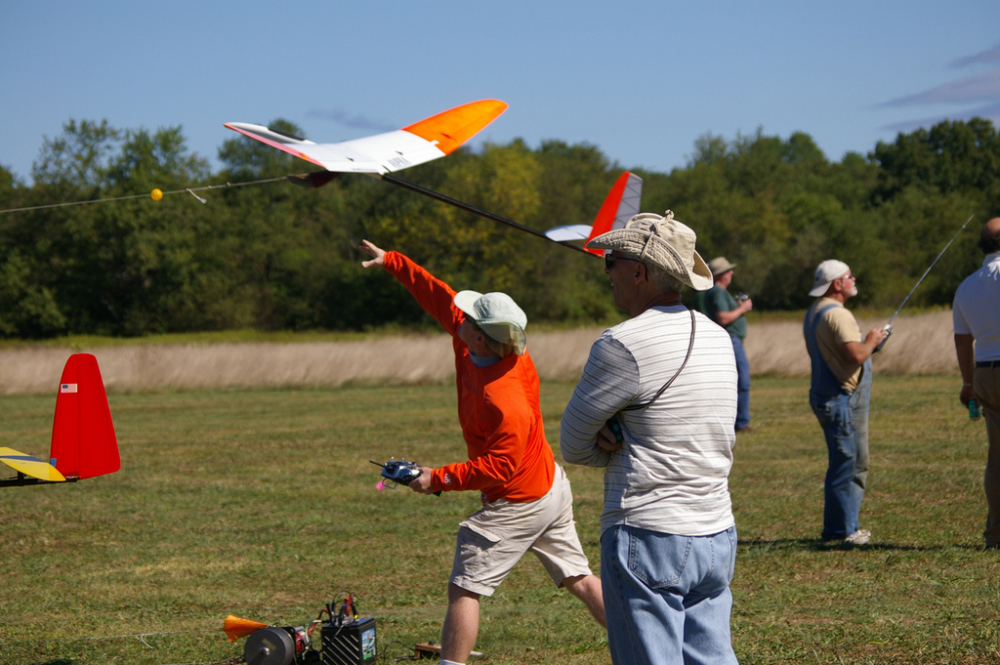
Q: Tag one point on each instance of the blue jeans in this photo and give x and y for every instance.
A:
(742, 384)
(844, 419)
(667, 597)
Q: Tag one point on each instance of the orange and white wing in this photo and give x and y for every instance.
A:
(421, 142)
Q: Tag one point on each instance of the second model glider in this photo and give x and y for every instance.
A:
(83, 436)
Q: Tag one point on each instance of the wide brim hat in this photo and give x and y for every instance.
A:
(497, 315)
(826, 273)
(719, 265)
(663, 242)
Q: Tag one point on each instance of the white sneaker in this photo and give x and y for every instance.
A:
(859, 537)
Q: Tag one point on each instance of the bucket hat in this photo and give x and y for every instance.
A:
(663, 242)
(497, 315)
(719, 265)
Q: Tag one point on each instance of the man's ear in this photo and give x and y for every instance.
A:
(644, 274)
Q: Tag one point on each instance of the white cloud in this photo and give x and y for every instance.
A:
(990, 112)
(979, 88)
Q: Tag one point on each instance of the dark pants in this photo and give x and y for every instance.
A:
(987, 389)
(742, 384)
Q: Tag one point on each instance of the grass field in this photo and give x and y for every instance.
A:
(262, 504)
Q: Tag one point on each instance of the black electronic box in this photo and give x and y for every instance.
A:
(349, 642)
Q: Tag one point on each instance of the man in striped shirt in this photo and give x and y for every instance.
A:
(667, 377)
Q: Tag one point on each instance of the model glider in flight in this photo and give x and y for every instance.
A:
(621, 203)
(381, 155)
(83, 436)
(421, 142)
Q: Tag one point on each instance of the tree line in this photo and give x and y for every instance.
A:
(279, 257)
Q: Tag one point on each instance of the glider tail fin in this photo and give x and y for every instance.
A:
(83, 435)
(621, 203)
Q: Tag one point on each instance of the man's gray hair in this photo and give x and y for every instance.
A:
(663, 280)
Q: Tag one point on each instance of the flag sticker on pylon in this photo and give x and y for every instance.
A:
(67, 388)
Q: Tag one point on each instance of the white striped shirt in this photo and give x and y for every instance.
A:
(672, 475)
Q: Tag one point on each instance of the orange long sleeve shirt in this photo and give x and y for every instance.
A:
(498, 406)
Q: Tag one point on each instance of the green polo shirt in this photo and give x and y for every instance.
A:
(716, 300)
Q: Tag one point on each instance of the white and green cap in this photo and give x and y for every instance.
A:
(497, 315)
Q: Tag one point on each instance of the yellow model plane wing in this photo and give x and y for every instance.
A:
(30, 466)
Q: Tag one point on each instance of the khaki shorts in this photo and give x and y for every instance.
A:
(495, 538)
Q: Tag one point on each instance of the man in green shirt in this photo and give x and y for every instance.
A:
(722, 308)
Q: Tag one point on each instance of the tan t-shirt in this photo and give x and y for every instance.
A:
(837, 327)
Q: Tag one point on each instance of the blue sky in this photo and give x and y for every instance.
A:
(640, 80)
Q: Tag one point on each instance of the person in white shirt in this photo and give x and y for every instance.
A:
(667, 376)
(976, 317)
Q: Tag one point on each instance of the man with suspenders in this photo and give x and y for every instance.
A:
(839, 396)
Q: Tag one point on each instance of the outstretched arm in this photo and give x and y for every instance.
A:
(433, 295)
(377, 254)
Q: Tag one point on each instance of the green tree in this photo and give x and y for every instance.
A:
(953, 156)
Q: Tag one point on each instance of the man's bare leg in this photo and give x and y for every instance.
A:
(461, 624)
(588, 589)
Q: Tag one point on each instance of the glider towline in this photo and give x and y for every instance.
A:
(888, 327)
(83, 435)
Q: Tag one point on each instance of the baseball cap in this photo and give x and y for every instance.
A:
(826, 273)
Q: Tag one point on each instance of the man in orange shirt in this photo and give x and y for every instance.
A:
(527, 502)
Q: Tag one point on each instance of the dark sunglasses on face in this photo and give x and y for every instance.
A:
(609, 260)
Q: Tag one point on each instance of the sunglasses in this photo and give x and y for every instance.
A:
(609, 260)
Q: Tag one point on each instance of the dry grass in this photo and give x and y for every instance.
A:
(921, 345)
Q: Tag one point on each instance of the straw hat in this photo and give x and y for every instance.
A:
(497, 315)
(663, 242)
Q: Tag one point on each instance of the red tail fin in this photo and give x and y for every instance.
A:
(620, 204)
(83, 436)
